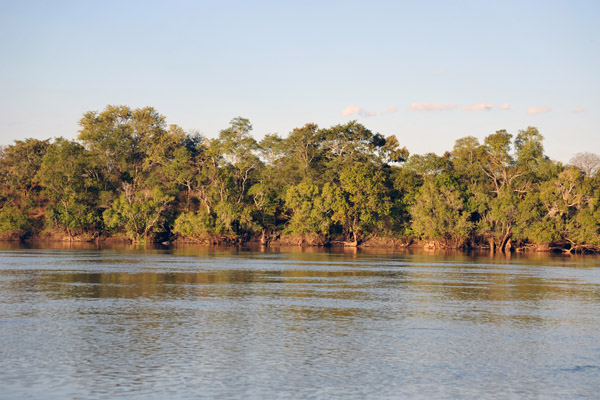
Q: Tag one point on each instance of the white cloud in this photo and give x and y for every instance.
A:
(538, 110)
(479, 107)
(390, 110)
(431, 106)
(356, 110)
(578, 110)
(505, 106)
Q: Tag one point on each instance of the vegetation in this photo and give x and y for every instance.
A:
(132, 176)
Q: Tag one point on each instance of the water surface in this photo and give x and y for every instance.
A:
(210, 323)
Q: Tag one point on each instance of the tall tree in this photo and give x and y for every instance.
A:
(367, 197)
(587, 162)
(121, 139)
(66, 178)
(19, 164)
(141, 214)
(438, 212)
(20, 200)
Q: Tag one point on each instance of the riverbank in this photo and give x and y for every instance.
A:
(372, 242)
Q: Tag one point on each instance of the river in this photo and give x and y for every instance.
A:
(216, 323)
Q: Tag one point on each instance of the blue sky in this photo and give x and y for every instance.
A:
(429, 72)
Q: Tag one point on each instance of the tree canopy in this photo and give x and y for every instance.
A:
(129, 174)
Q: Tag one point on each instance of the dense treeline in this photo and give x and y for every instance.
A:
(130, 175)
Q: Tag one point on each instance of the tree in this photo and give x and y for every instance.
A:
(496, 216)
(368, 201)
(572, 207)
(140, 213)
(121, 139)
(305, 150)
(429, 164)
(466, 157)
(309, 211)
(268, 191)
(226, 169)
(392, 152)
(66, 179)
(19, 164)
(130, 172)
(346, 144)
(529, 148)
(163, 151)
(197, 225)
(238, 153)
(439, 213)
(13, 222)
(404, 185)
(497, 162)
(510, 179)
(19, 188)
(181, 170)
(589, 163)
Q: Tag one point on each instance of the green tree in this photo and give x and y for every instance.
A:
(121, 140)
(571, 206)
(367, 198)
(305, 148)
(141, 214)
(13, 222)
(438, 213)
(347, 144)
(497, 216)
(19, 164)
(310, 213)
(66, 179)
(497, 162)
(197, 225)
(20, 200)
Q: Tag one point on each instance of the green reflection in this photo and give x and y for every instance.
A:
(316, 285)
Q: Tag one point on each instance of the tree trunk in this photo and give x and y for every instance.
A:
(263, 239)
(354, 237)
(505, 240)
(508, 246)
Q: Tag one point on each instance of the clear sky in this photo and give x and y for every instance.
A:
(429, 72)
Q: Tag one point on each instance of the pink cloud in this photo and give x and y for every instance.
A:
(538, 110)
(351, 110)
(479, 107)
(390, 110)
(578, 110)
(431, 106)
(356, 110)
(505, 106)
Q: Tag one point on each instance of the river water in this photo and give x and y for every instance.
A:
(213, 323)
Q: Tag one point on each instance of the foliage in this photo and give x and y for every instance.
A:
(367, 198)
(14, 221)
(139, 214)
(129, 172)
(65, 176)
(194, 224)
(439, 213)
(310, 212)
(19, 165)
